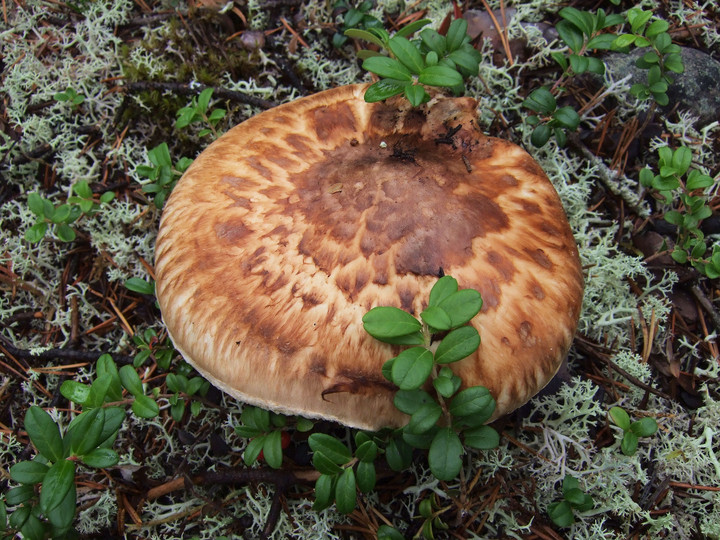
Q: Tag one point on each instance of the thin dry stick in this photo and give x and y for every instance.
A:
(502, 31)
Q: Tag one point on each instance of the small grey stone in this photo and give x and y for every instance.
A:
(697, 89)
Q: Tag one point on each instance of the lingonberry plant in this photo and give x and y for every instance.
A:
(662, 59)
(563, 512)
(57, 220)
(431, 60)
(87, 441)
(632, 431)
(163, 174)
(442, 418)
(683, 189)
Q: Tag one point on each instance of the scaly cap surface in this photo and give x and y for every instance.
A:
(286, 230)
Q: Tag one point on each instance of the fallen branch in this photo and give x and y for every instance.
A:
(60, 354)
(191, 90)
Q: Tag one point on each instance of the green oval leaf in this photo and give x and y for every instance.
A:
(561, 514)
(457, 31)
(457, 345)
(424, 419)
(440, 75)
(356, 33)
(388, 68)
(114, 417)
(19, 495)
(385, 532)
(365, 476)
(28, 472)
(540, 100)
(331, 447)
(65, 232)
(324, 491)
(62, 516)
(140, 286)
(412, 27)
(367, 451)
(411, 368)
(75, 391)
(145, 407)
(444, 287)
(407, 54)
(56, 484)
(398, 454)
(324, 464)
(130, 380)
(444, 456)
(253, 449)
(436, 318)
(474, 401)
(272, 449)
(389, 322)
(620, 417)
(540, 135)
(36, 204)
(434, 41)
(567, 117)
(85, 431)
(645, 427)
(467, 61)
(409, 401)
(462, 306)
(384, 89)
(445, 386)
(482, 438)
(420, 440)
(101, 458)
(44, 433)
(345, 492)
(36, 233)
(416, 95)
(629, 443)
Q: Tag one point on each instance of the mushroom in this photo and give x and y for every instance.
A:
(286, 230)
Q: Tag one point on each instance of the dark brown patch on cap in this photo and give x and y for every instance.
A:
(410, 211)
(301, 143)
(232, 232)
(537, 291)
(526, 335)
(538, 255)
(509, 180)
(504, 266)
(334, 118)
(257, 164)
(358, 382)
(531, 207)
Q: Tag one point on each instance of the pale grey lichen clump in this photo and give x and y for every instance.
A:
(560, 427)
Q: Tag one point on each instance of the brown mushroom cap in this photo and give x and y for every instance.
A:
(286, 230)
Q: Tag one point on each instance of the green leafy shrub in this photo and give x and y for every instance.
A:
(87, 440)
(70, 96)
(632, 431)
(163, 173)
(442, 421)
(662, 58)
(433, 60)
(56, 220)
(574, 498)
(356, 18)
(684, 191)
(582, 32)
(197, 111)
(268, 434)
